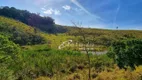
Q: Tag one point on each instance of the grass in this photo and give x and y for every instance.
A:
(46, 62)
(114, 74)
(55, 40)
(39, 60)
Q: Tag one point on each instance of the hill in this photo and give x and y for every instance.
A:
(45, 23)
(38, 60)
(103, 36)
(19, 32)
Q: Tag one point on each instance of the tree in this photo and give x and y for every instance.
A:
(127, 53)
(82, 33)
(35, 20)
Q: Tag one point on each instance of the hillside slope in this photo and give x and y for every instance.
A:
(104, 36)
(45, 23)
(19, 32)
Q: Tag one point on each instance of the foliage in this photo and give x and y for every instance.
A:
(104, 37)
(101, 62)
(43, 23)
(127, 53)
(8, 54)
(7, 48)
(19, 32)
(55, 40)
(6, 74)
(121, 74)
(113, 74)
(42, 61)
(39, 60)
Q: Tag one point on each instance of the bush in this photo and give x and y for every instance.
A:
(127, 53)
(8, 48)
(121, 74)
(6, 74)
(101, 62)
(8, 55)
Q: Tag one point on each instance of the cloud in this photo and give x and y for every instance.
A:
(43, 9)
(81, 7)
(51, 11)
(57, 12)
(66, 7)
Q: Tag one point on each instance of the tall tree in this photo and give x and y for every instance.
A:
(84, 40)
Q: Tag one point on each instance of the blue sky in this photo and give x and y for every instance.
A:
(126, 14)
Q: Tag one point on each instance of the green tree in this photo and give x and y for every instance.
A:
(127, 53)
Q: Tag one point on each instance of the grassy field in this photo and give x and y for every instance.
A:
(55, 40)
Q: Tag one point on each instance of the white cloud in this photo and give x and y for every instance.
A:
(57, 12)
(51, 11)
(43, 8)
(66, 7)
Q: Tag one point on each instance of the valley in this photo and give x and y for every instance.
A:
(33, 47)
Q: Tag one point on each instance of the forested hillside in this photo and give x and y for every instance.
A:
(45, 23)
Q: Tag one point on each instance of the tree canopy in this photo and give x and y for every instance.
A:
(45, 23)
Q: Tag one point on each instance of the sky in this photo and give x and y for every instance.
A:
(107, 14)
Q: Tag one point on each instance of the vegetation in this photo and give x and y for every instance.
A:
(35, 20)
(40, 61)
(8, 55)
(27, 53)
(127, 53)
(105, 37)
(20, 33)
(55, 40)
(116, 74)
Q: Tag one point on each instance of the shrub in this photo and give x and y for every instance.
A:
(8, 48)
(8, 55)
(127, 53)
(6, 74)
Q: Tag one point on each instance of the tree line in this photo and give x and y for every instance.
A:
(45, 23)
